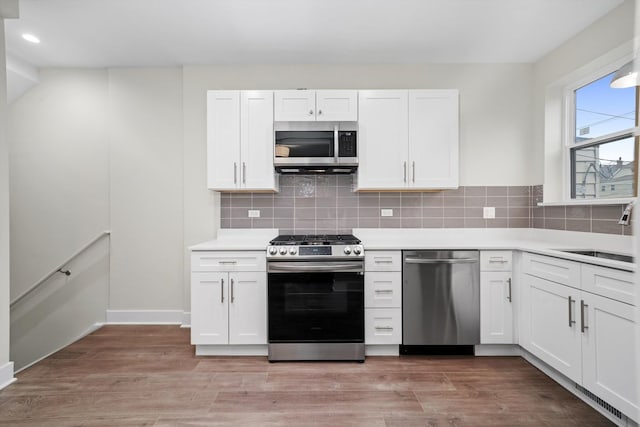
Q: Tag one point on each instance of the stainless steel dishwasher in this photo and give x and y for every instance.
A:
(440, 299)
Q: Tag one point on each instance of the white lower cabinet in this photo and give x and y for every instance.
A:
(496, 298)
(383, 326)
(229, 307)
(588, 338)
(383, 298)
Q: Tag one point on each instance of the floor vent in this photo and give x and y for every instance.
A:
(604, 405)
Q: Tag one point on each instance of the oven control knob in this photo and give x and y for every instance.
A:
(357, 250)
(273, 250)
(347, 250)
(283, 251)
(293, 251)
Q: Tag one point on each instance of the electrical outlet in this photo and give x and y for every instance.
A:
(386, 212)
(488, 212)
(254, 213)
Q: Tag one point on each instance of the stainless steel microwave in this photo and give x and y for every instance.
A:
(315, 151)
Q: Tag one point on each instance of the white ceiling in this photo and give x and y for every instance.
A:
(111, 33)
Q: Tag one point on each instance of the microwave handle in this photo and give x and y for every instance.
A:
(336, 143)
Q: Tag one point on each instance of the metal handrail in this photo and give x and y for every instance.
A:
(58, 269)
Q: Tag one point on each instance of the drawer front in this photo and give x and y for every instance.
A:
(383, 289)
(553, 269)
(608, 282)
(383, 326)
(228, 261)
(383, 261)
(495, 261)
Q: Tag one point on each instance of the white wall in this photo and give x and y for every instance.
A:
(146, 176)
(605, 35)
(4, 217)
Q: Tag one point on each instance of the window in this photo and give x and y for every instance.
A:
(602, 146)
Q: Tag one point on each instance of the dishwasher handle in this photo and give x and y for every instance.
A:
(440, 261)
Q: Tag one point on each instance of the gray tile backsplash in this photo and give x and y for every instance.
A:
(327, 204)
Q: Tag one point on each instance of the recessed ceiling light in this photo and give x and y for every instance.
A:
(31, 38)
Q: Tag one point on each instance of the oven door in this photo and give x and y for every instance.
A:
(313, 302)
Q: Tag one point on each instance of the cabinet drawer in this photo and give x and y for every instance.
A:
(383, 289)
(609, 282)
(383, 326)
(383, 261)
(228, 261)
(553, 269)
(495, 261)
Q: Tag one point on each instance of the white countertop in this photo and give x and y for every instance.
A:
(240, 239)
(546, 242)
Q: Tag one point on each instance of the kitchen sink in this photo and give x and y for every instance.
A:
(600, 254)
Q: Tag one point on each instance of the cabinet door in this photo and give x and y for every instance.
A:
(256, 169)
(383, 289)
(609, 358)
(337, 105)
(383, 326)
(496, 312)
(209, 308)
(295, 105)
(223, 139)
(553, 329)
(433, 138)
(248, 308)
(383, 139)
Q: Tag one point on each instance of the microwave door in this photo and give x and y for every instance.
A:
(306, 148)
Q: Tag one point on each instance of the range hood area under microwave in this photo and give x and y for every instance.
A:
(315, 151)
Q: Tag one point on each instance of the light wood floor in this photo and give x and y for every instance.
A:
(148, 375)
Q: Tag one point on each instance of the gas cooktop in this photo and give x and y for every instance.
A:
(315, 239)
(312, 246)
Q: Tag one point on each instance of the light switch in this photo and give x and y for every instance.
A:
(386, 212)
(254, 213)
(488, 212)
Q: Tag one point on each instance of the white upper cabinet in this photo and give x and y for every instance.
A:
(408, 139)
(383, 139)
(316, 105)
(240, 141)
(433, 138)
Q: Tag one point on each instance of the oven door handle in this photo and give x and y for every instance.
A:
(295, 267)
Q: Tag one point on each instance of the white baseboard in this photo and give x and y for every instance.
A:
(382, 350)
(232, 350)
(6, 375)
(144, 317)
(186, 319)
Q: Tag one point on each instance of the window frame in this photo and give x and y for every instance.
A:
(569, 146)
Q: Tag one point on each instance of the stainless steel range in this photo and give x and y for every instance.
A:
(316, 297)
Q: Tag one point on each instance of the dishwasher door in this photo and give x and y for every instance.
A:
(440, 298)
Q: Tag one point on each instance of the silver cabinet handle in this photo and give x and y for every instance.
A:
(405, 171)
(235, 173)
(440, 261)
(383, 261)
(232, 298)
(384, 328)
(228, 262)
(497, 260)
(582, 322)
(319, 112)
(221, 290)
(244, 173)
(383, 291)
(414, 171)
(311, 112)
(509, 283)
(571, 321)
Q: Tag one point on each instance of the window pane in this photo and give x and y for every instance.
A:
(604, 171)
(601, 110)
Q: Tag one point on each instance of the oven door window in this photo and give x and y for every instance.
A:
(316, 307)
(305, 144)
